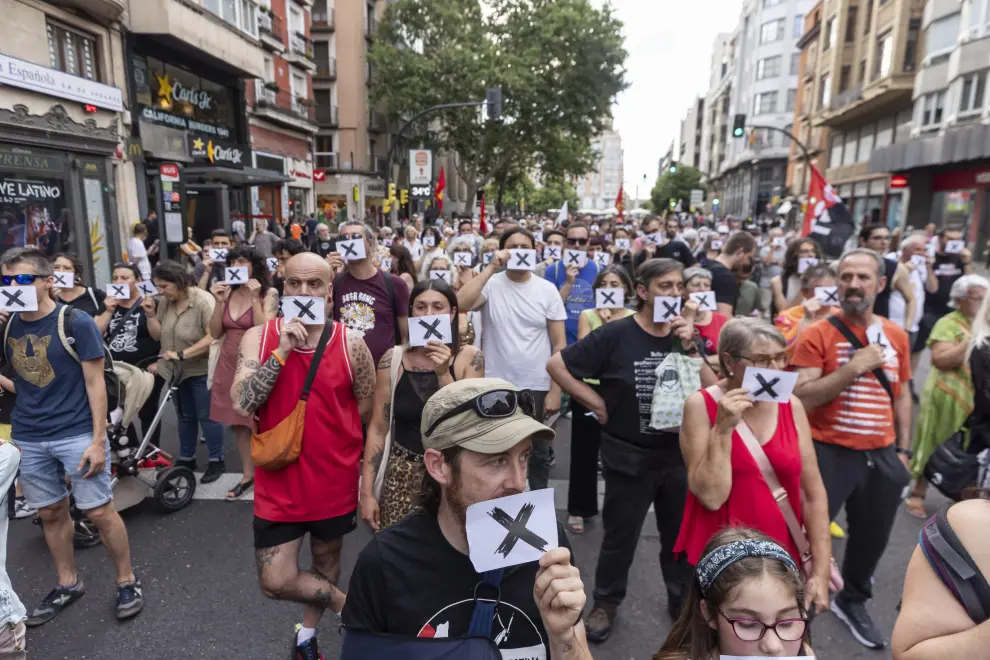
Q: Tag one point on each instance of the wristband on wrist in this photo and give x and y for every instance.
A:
(906, 452)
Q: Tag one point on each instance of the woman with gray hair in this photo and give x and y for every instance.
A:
(707, 324)
(725, 483)
(947, 400)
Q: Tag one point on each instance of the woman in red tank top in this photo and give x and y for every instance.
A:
(725, 485)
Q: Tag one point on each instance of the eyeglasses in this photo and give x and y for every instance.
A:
(765, 361)
(351, 237)
(496, 404)
(23, 279)
(577, 241)
(747, 630)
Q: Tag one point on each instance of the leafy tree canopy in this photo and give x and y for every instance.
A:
(677, 185)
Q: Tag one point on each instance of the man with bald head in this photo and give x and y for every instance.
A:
(317, 492)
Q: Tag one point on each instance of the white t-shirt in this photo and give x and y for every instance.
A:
(516, 342)
(897, 306)
(415, 249)
(139, 257)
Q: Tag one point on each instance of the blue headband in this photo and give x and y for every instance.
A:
(716, 561)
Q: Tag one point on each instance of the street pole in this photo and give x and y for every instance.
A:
(804, 149)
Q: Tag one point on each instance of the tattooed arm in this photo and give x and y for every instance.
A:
(363, 370)
(271, 304)
(470, 363)
(253, 381)
(374, 448)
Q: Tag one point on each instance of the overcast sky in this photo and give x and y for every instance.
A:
(669, 44)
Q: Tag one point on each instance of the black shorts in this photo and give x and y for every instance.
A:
(268, 534)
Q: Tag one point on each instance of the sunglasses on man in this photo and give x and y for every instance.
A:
(496, 404)
(23, 279)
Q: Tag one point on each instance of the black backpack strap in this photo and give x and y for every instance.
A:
(111, 334)
(857, 344)
(390, 292)
(955, 566)
(317, 357)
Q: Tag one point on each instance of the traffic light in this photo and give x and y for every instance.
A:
(673, 168)
(739, 126)
(391, 192)
(387, 206)
(673, 202)
(403, 197)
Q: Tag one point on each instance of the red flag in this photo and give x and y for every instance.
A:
(618, 201)
(441, 186)
(827, 219)
(484, 227)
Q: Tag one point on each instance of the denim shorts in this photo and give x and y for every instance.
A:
(44, 466)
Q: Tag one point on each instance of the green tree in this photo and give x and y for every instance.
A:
(678, 185)
(559, 64)
(552, 195)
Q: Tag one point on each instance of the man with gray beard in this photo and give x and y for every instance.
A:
(852, 367)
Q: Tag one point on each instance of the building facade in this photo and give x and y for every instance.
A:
(716, 121)
(689, 152)
(65, 184)
(598, 189)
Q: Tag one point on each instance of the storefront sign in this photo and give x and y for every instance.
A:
(374, 189)
(222, 154)
(35, 78)
(898, 181)
(22, 159)
(319, 175)
(420, 167)
(169, 172)
(174, 90)
(19, 191)
(162, 118)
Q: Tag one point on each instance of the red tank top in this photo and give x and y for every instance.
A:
(323, 483)
(750, 502)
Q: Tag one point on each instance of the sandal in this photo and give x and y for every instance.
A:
(575, 524)
(915, 506)
(238, 491)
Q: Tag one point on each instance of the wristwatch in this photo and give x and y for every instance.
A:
(906, 452)
(181, 355)
(692, 351)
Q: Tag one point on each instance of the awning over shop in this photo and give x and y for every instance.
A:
(965, 143)
(249, 176)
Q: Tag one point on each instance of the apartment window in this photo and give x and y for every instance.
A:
(771, 3)
(931, 109)
(973, 89)
(849, 150)
(869, 17)
(772, 31)
(865, 143)
(885, 53)
(940, 38)
(72, 51)
(242, 14)
(798, 26)
(974, 9)
(791, 98)
(911, 44)
(830, 35)
(825, 91)
(795, 62)
(844, 74)
(851, 24)
(765, 103)
(862, 72)
(768, 67)
(835, 151)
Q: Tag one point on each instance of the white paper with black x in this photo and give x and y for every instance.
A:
(234, 275)
(603, 259)
(429, 241)
(779, 241)
(954, 247)
(918, 260)
(429, 328)
(538, 236)
(387, 264)
(769, 384)
(18, 298)
(827, 295)
(717, 244)
(147, 288)
(609, 299)
(804, 263)
(218, 254)
(351, 250)
(272, 264)
(511, 530)
(309, 310)
(876, 335)
(62, 280)
(463, 259)
(705, 300)
(622, 243)
(578, 258)
(723, 229)
(666, 309)
(119, 291)
(551, 252)
(486, 258)
(656, 238)
(522, 260)
(440, 274)
(387, 242)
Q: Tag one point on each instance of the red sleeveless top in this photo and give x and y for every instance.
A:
(750, 502)
(323, 483)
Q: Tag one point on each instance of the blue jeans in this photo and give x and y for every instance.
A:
(193, 411)
(44, 466)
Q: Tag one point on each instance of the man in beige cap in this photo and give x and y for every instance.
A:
(415, 579)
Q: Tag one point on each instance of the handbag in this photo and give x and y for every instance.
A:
(951, 469)
(678, 377)
(780, 496)
(393, 373)
(280, 446)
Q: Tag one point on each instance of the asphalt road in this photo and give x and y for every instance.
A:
(202, 599)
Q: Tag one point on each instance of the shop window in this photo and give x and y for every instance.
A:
(972, 92)
(72, 51)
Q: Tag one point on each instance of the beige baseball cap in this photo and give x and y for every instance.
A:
(470, 430)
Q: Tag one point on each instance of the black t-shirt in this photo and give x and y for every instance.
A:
(323, 248)
(91, 301)
(675, 250)
(947, 268)
(410, 581)
(882, 305)
(624, 357)
(132, 342)
(723, 283)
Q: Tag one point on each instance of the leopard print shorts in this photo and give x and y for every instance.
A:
(403, 478)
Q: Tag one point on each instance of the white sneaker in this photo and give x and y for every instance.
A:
(22, 509)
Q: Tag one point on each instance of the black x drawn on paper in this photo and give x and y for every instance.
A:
(348, 249)
(671, 309)
(705, 301)
(517, 530)
(608, 297)
(235, 275)
(765, 386)
(431, 329)
(118, 290)
(832, 295)
(462, 258)
(574, 257)
(13, 298)
(305, 309)
(522, 259)
(60, 279)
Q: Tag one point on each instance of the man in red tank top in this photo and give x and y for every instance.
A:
(318, 492)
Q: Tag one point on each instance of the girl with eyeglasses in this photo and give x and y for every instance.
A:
(725, 482)
(746, 599)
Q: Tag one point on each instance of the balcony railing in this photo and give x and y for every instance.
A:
(282, 102)
(326, 115)
(845, 98)
(301, 45)
(326, 160)
(270, 26)
(323, 18)
(326, 69)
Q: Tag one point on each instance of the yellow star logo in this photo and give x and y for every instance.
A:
(209, 150)
(198, 144)
(164, 88)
